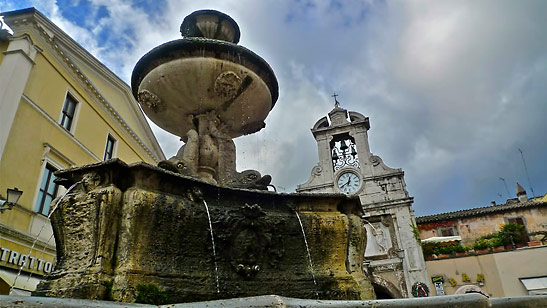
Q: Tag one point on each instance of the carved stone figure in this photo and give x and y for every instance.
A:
(210, 154)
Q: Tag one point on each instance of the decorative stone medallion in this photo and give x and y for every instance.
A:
(149, 100)
(375, 160)
(317, 170)
(227, 84)
(250, 241)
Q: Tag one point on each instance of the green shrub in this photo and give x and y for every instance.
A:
(480, 244)
(151, 294)
(508, 234)
(108, 289)
(446, 249)
(459, 248)
(496, 242)
(489, 236)
(442, 248)
(427, 249)
(513, 233)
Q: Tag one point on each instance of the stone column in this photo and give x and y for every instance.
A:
(14, 72)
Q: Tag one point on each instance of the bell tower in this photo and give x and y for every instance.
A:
(346, 165)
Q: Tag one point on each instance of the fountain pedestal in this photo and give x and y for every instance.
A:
(131, 225)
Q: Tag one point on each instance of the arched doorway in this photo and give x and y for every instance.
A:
(382, 292)
(385, 289)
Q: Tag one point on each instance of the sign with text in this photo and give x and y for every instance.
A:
(438, 282)
(27, 262)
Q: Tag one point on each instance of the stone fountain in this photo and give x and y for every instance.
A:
(193, 227)
(207, 89)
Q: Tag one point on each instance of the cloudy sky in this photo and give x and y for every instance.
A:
(453, 88)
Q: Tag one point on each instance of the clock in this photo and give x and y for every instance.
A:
(348, 182)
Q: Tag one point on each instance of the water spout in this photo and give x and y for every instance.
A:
(213, 243)
(308, 251)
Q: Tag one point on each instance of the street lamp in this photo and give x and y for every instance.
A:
(13, 195)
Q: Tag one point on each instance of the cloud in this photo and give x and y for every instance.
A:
(452, 88)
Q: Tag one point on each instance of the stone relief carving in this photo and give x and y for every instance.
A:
(209, 154)
(90, 181)
(250, 179)
(249, 241)
(380, 238)
(149, 99)
(375, 160)
(379, 241)
(316, 171)
(227, 84)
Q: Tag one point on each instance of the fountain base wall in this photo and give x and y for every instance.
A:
(135, 225)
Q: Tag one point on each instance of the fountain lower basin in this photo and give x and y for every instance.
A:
(131, 225)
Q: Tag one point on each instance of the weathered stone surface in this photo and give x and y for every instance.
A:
(128, 225)
(87, 222)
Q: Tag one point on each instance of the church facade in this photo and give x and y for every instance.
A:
(393, 256)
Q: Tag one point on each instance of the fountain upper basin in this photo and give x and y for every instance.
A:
(183, 78)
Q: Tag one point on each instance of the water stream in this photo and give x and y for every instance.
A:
(213, 243)
(40, 232)
(308, 251)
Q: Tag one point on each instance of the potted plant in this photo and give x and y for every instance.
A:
(427, 249)
(497, 244)
(513, 235)
(481, 246)
(460, 250)
(445, 250)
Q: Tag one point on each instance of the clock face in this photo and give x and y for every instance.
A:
(348, 182)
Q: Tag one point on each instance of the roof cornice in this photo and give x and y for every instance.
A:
(480, 211)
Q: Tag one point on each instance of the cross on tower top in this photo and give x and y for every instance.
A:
(336, 102)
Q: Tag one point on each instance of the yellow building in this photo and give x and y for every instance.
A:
(59, 107)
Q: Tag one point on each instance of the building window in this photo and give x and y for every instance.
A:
(48, 190)
(69, 109)
(109, 150)
(447, 231)
(516, 221)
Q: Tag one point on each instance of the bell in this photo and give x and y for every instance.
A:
(353, 152)
(334, 155)
(343, 146)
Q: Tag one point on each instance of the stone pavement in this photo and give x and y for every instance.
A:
(274, 301)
